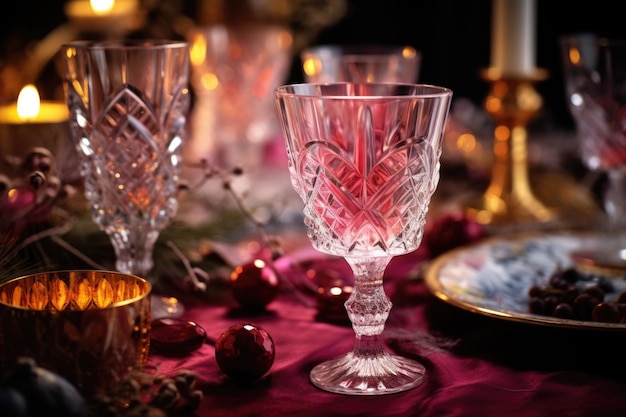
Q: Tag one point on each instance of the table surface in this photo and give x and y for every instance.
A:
(475, 365)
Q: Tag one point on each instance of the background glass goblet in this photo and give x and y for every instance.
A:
(595, 84)
(128, 103)
(234, 71)
(364, 158)
(360, 63)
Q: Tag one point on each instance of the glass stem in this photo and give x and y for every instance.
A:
(615, 205)
(615, 197)
(368, 369)
(133, 250)
(368, 306)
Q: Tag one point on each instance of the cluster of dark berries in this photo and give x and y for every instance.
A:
(576, 295)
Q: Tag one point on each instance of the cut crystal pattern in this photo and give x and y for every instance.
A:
(370, 200)
(128, 105)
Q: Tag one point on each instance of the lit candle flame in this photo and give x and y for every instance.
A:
(28, 102)
(101, 6)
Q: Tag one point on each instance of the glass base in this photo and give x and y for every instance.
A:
(372, 375)
(165, 307)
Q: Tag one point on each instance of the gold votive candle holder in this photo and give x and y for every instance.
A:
(91, 327)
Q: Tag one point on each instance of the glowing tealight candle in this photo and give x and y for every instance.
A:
(102, 6)
(30, 109)
(513, 37)
(30, 122)
(28, 102)
(106, 16)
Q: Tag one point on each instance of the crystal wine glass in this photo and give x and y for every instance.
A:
(364, 158)
(128, 102)
(360, 63)
(595, 83)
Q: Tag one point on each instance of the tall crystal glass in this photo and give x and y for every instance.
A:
(361, 63)
(128, 103)
(364, 158)
(594, 72)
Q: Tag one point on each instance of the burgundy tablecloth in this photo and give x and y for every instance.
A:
(475, 365)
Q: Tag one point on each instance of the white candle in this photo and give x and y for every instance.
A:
(513, 37)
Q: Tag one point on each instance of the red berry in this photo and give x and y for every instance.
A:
(606, 313)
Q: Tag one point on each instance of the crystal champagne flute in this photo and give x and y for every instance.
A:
(594, 70)
(128, 103)
(364, 158)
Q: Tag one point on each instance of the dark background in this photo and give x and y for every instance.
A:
(455, 38)
(452, 35)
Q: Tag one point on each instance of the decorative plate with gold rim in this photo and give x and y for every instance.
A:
(493, 277)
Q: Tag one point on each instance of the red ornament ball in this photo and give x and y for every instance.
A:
(245, 352)
(254, 285)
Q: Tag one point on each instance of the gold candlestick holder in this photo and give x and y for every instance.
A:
(512, 103)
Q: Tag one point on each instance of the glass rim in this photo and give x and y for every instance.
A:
(430, 90)
(605, 41)
(255, 26)
(571, 38)
(147, 285)
(362, 50)
(126, 44)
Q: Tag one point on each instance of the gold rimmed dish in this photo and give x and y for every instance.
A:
(493, 277)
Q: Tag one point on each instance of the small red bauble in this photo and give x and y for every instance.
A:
(176, 337)
(254, 285)
(245, 351)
